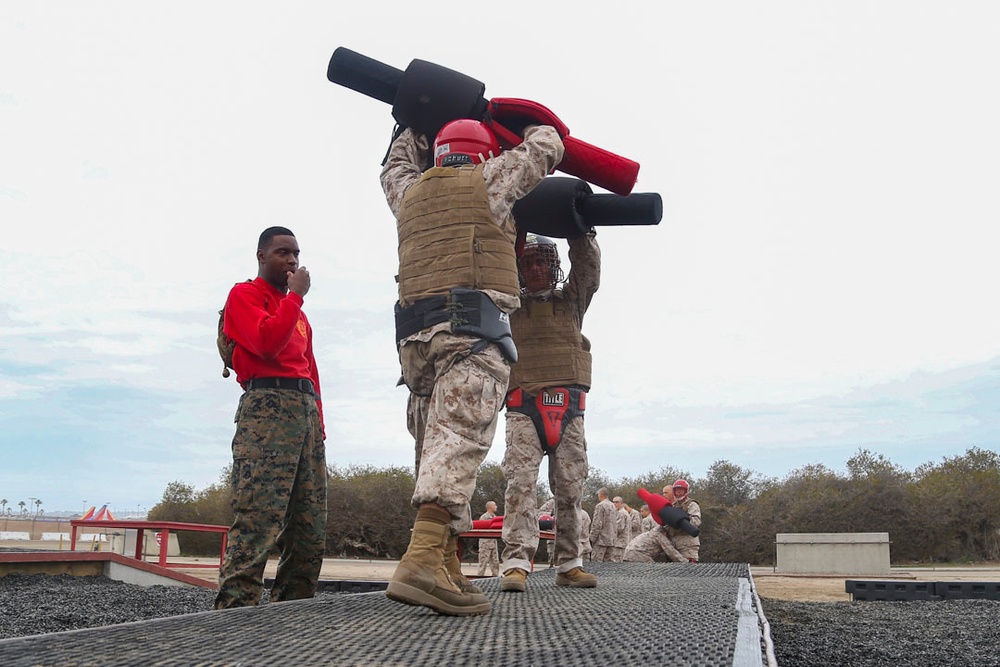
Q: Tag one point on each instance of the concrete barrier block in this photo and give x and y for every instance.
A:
(964, 590)
(891, 590)
(832, 553)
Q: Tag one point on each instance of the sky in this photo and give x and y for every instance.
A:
(823, 279)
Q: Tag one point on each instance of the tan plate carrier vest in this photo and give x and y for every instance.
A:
(447, 237)
(552, 351)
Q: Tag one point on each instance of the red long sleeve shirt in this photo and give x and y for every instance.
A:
(273, 336)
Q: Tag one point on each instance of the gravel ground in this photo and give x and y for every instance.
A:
(34, 604)
(954, 633)
(946, 633)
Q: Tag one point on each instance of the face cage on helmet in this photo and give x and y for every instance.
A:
(556, 276)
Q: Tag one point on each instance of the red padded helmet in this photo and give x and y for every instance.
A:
(683, 486)
(463, 141)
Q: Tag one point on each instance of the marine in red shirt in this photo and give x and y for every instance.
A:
(279, 457)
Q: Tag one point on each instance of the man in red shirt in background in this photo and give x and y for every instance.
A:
(279, 457)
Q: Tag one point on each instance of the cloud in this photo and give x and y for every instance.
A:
(822, 279)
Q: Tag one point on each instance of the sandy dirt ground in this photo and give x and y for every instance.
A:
(769, 584)
(806, 588)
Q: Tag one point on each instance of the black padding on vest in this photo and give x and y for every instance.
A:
(469, 311)
(475, 314)
(429, 96)
(420, 315)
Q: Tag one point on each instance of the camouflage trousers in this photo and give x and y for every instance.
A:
(651, 547)
(601, 553)
(279, 498)
(488, 558)
(568, 469)
(455, 398)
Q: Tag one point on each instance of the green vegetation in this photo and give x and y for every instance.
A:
(947, 511)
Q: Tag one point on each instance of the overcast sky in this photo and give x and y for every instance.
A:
(824, 278)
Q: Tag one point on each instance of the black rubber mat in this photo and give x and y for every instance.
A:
(639, 614)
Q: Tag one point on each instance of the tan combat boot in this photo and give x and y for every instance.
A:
(454, 567)
(576, 578)
(420, 578)
(514, 580)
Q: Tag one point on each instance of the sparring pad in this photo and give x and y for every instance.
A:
(675, 517)
(656, 503)
(553, 208)
(595, 165)
(516, 114)
(364, 75)
(429, 96)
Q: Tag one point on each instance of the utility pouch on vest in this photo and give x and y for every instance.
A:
(470, 312)
(550, 412)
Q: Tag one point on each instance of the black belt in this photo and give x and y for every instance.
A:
(469, 311)
(298, 384)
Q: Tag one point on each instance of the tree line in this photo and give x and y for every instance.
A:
(945, 511)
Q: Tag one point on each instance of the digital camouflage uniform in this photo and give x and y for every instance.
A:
(667, 544)
(651, 547)
(568, 465)
(489, 556)
(548, 508)
(278, 486)
(623, 534)
(279, 498)
(635, 523)
(603, 531)
(687, 545)
(648, 524)
(455, 396)
(585, 547)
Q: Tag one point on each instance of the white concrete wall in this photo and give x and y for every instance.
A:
(131, 575)
(126, 545)
(85, 540)
(55, 537)
(14, 535)
(832, 553)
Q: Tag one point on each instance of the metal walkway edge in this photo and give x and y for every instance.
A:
(685, 614)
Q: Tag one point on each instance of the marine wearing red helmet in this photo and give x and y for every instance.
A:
(464, 141)
(681, 489)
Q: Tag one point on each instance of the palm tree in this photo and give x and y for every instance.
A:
(21, 504)
(38, 505)
(3, 505)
